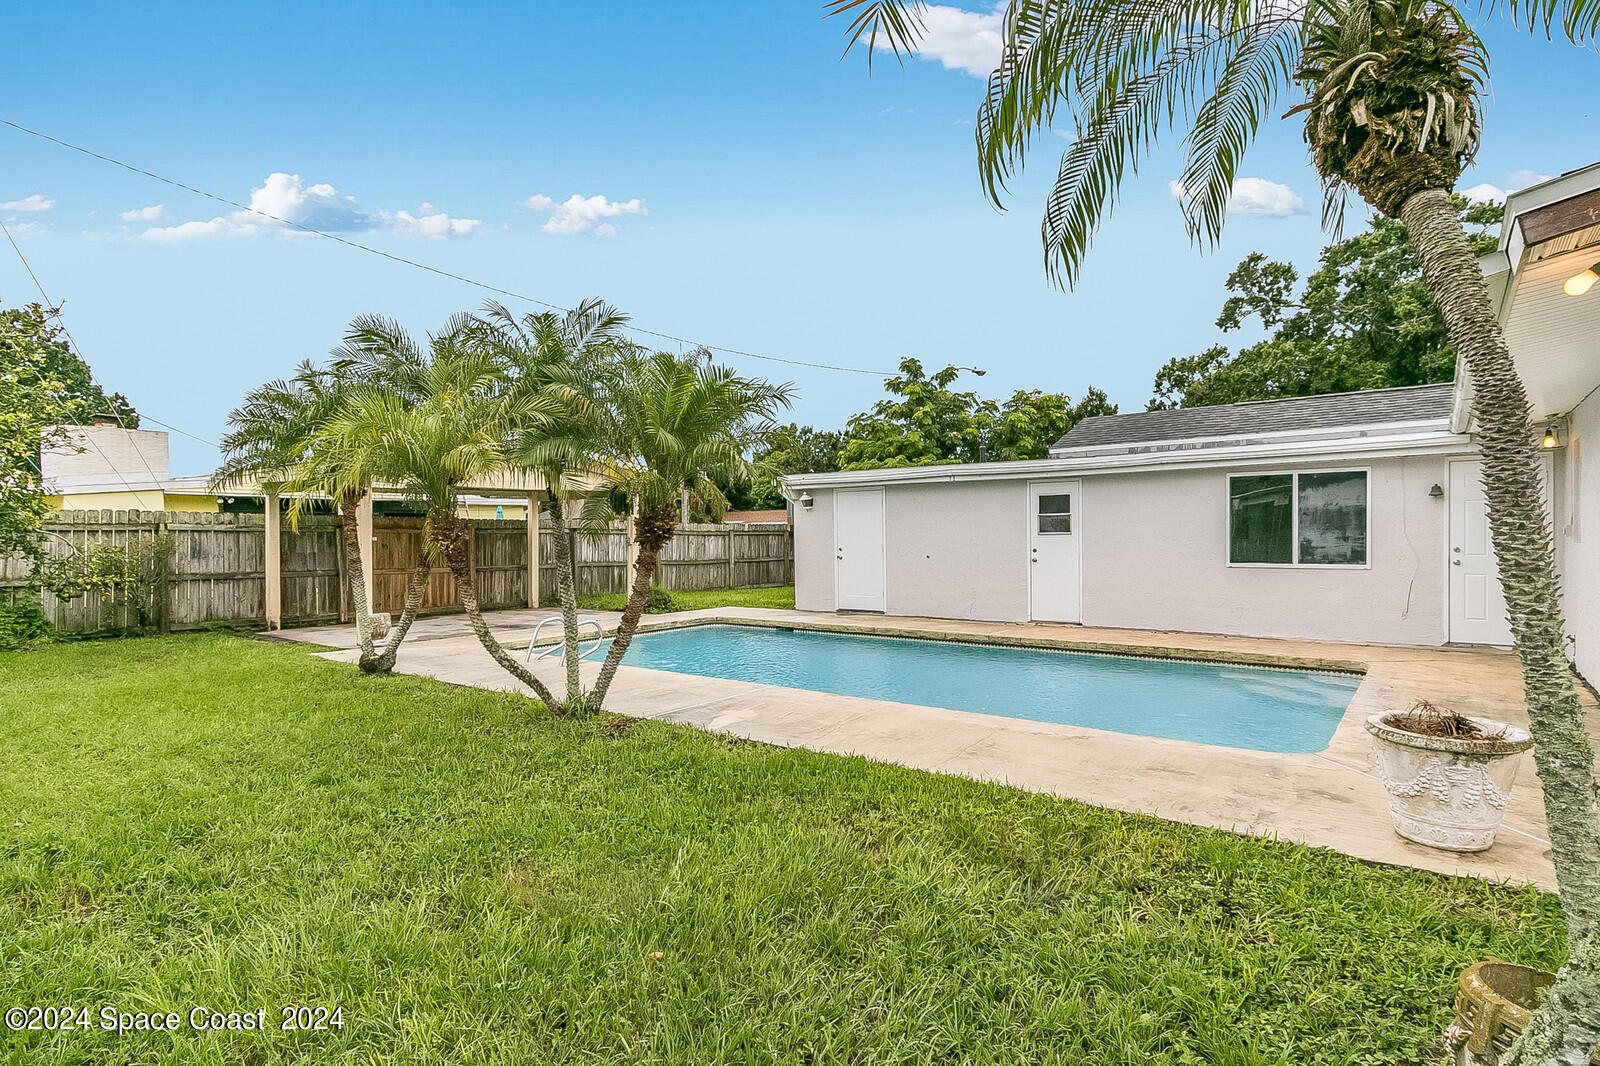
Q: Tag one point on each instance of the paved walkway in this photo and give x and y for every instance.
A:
(1324, 800)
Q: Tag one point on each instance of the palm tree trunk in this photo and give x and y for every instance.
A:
(638, 596)
(385, 660)
(355, 573)
(451, 539)
(1569, 1025)
(567, 593)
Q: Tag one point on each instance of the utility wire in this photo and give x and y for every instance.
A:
(423, 266)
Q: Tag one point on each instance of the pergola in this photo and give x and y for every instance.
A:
(505, 483)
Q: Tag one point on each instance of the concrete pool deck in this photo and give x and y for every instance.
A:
(1323, 800)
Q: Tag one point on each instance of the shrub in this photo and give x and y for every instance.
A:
(21, 623)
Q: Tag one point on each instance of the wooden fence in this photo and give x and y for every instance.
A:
(216, 567)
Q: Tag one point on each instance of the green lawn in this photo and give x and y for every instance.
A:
(698, 601)
(237, 825)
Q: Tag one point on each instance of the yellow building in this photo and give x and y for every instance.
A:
(107, 468)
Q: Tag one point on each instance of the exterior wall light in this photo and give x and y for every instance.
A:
(1552, 437)
(806, 501)
(1582, 282)
(1437, 491)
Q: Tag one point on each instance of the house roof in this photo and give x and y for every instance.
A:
(1344, 411)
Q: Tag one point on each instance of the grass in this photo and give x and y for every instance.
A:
(213, 821)
(700, 600)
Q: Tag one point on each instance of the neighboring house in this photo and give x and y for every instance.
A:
(1351, 517)
(106, 467)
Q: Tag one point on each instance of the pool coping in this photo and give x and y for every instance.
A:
(1173, 653)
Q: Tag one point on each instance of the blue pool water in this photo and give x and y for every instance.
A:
(1238, 706)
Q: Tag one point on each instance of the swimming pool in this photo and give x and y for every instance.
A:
(1264, 708)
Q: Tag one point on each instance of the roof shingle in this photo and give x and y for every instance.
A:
(1368, 407)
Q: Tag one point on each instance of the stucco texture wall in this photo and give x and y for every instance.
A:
(1577, 531)
(1156, 557)
(954, 550)
(813, 553)
(958, 550)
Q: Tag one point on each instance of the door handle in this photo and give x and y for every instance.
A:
(1455, 562)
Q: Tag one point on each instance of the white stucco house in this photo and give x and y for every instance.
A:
(1355, 517)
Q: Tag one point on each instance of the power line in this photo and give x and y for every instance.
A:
(419, 265)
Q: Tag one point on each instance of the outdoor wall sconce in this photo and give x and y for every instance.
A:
(1552, 436)
(1582, 281)
(1436, 492)
(806, 501)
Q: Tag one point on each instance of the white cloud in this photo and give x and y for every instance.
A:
(27, 229)
(320, 206)
(1484, 194)
(969, 41)
(36, 202)
(143, 214)
(583, 214)
(437, 225)
(1256, 196)
(1521, 179)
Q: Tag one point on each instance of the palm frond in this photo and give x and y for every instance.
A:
(899, 22)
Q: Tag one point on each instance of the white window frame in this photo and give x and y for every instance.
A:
(1294, 519)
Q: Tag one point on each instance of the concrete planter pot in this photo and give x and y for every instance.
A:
(1447, 792)
(1494, 1002)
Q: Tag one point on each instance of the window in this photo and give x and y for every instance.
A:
(1055, 512)
(1315, 519)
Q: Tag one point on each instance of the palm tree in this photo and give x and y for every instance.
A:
(449, 428)
(676, 422)
(271, 440)
(565, 357)
(1391, 112)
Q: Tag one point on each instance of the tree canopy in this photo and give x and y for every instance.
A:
(923, 421)
(1363, 320)
(43, 385)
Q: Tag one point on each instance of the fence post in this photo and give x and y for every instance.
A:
(730, 558)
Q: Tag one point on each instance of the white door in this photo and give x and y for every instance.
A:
(1055, 517)
(859, 555)
(1477, 605)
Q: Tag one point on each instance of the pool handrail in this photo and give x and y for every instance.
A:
(599, 638)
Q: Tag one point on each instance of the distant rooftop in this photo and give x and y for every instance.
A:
(1223, 422)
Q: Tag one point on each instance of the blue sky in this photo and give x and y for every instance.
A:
(736, 183)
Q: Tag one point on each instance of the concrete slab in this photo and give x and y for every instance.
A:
(1323, 800)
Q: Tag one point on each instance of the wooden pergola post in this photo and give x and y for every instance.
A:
(272, 559)
(365, 538)
(533, 549)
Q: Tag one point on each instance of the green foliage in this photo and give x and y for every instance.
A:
(924, 422)
(130, 575)
(22, 622)
(31, 344)
(43, 386)
(1127, 75)
(790, 449)
(1364, 320)
(778, 597)
(681, 421)
(1392, 97)
(209, 820)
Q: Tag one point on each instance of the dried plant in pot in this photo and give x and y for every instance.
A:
(1448, 775)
